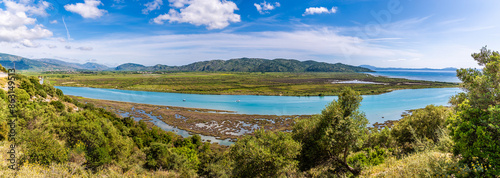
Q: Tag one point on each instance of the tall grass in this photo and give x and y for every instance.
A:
(70, 169)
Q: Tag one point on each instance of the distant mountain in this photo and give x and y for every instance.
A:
(131, 67)
(250, 65)
(86, 66)
(21, 63)
(394, 68)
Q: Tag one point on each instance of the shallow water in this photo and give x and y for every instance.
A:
(429, 75)
(378, 108)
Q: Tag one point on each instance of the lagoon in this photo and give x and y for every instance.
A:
(378, 108)
(419, 74)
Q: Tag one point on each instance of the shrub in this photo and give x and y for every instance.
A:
(58, 105)
(422, 124)
(41, 147)
(267, 154)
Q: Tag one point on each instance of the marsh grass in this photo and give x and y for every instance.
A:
(242, 83)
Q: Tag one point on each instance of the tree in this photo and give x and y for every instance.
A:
(475, 127)
(328, 138)
(267, 154)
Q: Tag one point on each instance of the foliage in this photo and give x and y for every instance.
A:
(58, 105)
(3, 69)
(42, 148)
(267, 154)
(476, 125)
(368, 157)
(421, 124)
(328, 138)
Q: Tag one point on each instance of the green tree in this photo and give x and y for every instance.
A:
(328, 138)
(476, 125)
(267, 154)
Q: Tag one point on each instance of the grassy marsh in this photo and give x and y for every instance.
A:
(242, 83)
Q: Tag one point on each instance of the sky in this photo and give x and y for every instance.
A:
(382, 33)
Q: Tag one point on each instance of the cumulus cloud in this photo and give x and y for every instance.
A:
(88, 9)
(53, 22)
(51, 46)
(151, 6)
(15, 19)
(28, 7)
(67, 47)
(214, 14)
(30, 44)
(319, 10)
(84, 48)
(265, 7)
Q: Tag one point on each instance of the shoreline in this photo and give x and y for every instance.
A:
(208, 122)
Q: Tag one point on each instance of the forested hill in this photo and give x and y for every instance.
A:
(250, 65)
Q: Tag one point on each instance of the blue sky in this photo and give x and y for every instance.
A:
(390, 33)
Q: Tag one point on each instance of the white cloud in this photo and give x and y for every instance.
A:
(88, 9)
(321, 44)
(67, 47)
(151, 6)
(85, 48)
(15, 19)
(27, 7)
(265, 7)
(53, 22)
(215, 14)
(51, 46)
(319, 10)
(30, 44)
(178, 3)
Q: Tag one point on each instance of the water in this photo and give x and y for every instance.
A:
(176, 130)
(378, 108)
(429, 75)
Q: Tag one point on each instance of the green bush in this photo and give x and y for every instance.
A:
(423, 124)
(368, 157)
(41, 147)
(267, 154)
(58, 105)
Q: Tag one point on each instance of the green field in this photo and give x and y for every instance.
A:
(241, 83)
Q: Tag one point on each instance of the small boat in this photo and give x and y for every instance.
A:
(237, 101)
(184, 100)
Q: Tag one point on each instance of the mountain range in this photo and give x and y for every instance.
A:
(232, 65)
(22, 63)
(249, 65)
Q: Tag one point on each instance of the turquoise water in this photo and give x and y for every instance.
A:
(378, 108)
(430, 75)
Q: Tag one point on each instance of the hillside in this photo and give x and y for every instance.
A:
(250, 65)
(86, 66)
(21, 63)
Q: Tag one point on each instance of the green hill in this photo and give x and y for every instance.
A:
(250, 65)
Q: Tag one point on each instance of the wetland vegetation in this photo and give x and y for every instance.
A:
(241, 83)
